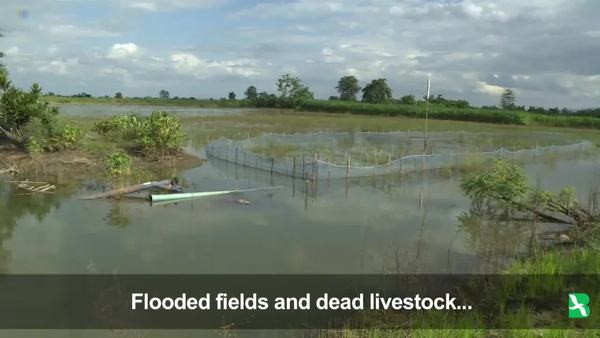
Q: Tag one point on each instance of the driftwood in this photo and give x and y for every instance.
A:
(170, 185)
(34, 187)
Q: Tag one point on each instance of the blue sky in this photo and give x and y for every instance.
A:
(546, 50)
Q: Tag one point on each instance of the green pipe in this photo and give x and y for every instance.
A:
(169, 197)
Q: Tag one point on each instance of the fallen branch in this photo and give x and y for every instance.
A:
(170, 185)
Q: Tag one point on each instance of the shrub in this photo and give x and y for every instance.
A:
(160, 133)
(118, 164)
(50, 135)
(28, 122)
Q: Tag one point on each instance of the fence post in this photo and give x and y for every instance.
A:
(316, 167)
(272, 163)
(348, 161)
(303, 167)
(294, 167)
(236, 154)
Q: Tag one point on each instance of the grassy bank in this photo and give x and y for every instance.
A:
(150, 101)
(436, 112)
(440, 112)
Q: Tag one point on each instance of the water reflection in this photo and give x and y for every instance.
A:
(16, 204)
(117, 216)
(420, 223)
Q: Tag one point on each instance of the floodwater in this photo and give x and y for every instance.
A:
(374, 225)
(103, 110)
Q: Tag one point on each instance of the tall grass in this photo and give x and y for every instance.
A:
(450, 113)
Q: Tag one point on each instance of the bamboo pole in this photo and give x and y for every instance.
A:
(294, 168)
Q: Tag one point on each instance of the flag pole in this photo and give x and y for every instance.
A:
(427, 110)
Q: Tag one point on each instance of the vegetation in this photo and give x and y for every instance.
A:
(158, 134)
(118, 164)
(118, 95)
(266, 100)
(348, 88)
(231, 96)
(291, 91)
(28, 122)
(504, 185)
(251, 93)
(436, 112)
(150, 101)
(508, 99)
(444, 112)
(408, 100)
(377, 91)
(163, 94)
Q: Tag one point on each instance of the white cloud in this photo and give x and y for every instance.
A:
(168, 5)
(147, 6)
(188, 63)
(488, 89)
(59, 66)
(330, 56)
(72, 31)
(12, 51)
(472, 9)
(124, 50)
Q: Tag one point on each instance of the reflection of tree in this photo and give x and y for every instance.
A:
(14, 206)
(117, 216)
(493, 235)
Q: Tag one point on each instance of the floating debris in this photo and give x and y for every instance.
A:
(170, 185)
(191, 195)
(34, 187)
(243, 201)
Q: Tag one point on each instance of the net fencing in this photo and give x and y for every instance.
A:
(315, 166)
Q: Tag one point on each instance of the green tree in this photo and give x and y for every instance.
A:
(348, 88)
(508, 99)
(504, 184)
(118, 95)
(251, 93)
(163, 94)
(408, 99)
(265, 99)
(292, 91)
(377, 91)
(231, 95)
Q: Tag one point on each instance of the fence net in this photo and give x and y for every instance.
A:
(342, 155)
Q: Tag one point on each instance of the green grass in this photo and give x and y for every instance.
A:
(440, 112)
(205, 129)
(581, 260)
(436, 112)
(151, 101)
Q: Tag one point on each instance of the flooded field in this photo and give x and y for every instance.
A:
(103, 110)
(415, 223)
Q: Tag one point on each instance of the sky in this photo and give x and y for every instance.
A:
(548, 51)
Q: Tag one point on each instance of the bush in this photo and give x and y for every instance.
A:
(50, 135)
(118, 164)
(28, 122)
(160, 133)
